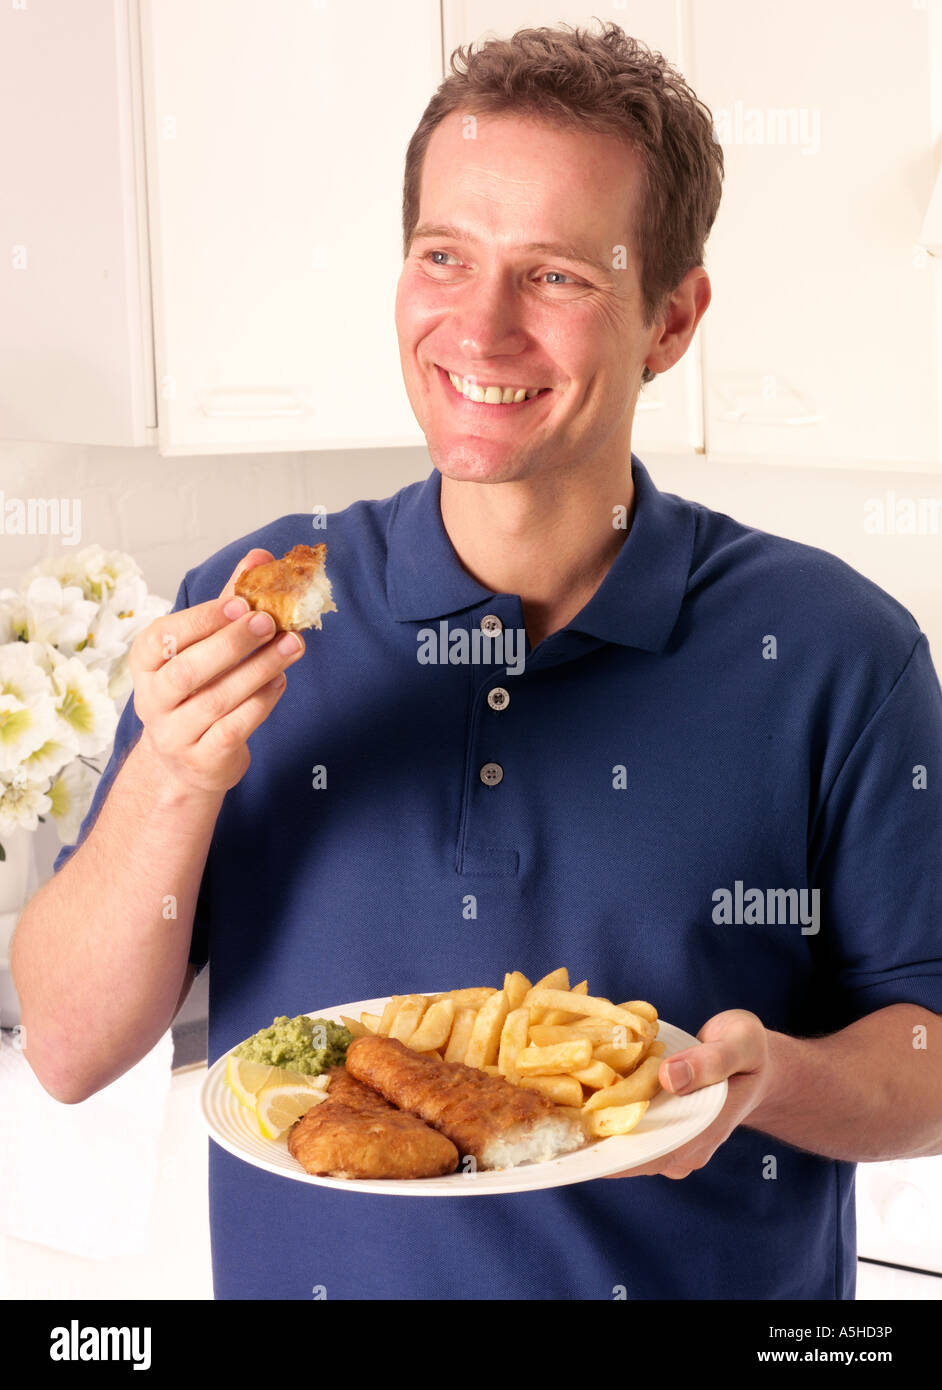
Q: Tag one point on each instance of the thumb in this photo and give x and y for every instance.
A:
(731, 1042)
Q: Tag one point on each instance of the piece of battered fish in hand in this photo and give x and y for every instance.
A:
(499, 1125)
(355, 1133)
(295, 590)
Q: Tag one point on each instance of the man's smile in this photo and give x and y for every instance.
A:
(490, 398)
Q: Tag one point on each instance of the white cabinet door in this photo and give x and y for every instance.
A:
(76, 361)
(276, 137)
(823, 339)
(668, 416)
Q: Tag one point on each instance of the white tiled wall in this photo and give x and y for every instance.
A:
(172, 513)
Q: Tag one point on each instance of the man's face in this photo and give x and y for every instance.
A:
(482, 296)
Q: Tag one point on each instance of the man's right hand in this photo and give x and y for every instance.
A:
(204, 679)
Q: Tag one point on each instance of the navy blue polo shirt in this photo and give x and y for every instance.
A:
(730, 708)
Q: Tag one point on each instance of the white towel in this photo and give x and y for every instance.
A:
(81, 1178)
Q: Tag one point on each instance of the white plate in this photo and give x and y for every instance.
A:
(669, 1122)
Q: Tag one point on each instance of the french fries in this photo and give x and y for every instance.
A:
(484, 1043)
(513, 1040)
(460, 1035)
(616, 1119)
(561, 1090)
(559, 1059)
(597, 1059)
(641, 1084)
(408, 1016)
(435, 1028)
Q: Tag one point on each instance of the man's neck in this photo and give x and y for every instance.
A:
(549, 539)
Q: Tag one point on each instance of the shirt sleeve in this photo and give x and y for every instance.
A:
(126, 736)
(877, 852)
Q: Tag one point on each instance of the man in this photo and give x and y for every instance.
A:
(707, 716)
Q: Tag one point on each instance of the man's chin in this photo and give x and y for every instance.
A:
(465, 463)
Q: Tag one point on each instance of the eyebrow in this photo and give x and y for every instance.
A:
(567, 250)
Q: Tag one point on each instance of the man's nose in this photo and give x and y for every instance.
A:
(490, 318)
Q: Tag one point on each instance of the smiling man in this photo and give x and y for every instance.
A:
(521, 327)
(706, 715)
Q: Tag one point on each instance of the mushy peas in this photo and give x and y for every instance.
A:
(306, 1045)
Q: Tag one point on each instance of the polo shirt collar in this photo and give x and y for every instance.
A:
(636, 605)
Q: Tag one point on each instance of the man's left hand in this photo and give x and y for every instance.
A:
(735, 1046)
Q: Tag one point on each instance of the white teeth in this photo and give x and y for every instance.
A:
(491, 395)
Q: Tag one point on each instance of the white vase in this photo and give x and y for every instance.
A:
(17, 870)
(19, 880)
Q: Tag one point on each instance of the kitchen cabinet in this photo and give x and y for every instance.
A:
(823, 343)
(76, 341)
(276, 138)
(202, 220)
(234, 167)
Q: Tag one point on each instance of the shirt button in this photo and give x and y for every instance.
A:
(491, 625)
(498, 698)
(491, 774)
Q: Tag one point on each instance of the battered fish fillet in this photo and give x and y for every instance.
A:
(498, 1124)
(295, 590)
(354, 1133)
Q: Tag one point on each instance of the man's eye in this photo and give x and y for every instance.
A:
(446, 260)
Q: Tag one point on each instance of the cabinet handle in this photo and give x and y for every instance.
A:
(255, 402)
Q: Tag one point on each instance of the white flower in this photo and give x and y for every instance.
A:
(27, 706)
(70, 797)
(22, 802)
(49, 760)
(96, 571)
(59, 614)
(83, 706)
(7, 628)
(120, 684)
(44, 657)
(120, 618)
(64, 679)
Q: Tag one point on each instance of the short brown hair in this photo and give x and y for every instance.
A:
(607, 82)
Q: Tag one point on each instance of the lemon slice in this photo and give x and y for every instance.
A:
(279, 1104)
(245, 1079)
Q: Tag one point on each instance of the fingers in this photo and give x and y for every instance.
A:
(731, 1042)
(164, 638)
(205, 678)
(233, 729)
(204, 666)
(224, 696)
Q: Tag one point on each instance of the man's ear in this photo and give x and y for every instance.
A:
(685, 309)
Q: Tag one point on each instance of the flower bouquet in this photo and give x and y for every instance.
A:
(64, 680)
